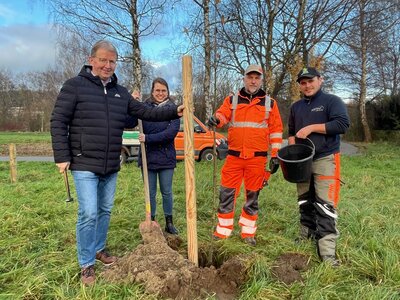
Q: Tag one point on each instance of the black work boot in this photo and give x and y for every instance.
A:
(169, 225)
(153, 218)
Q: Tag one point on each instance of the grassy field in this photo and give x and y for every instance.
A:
(37, 237)
(24, 137)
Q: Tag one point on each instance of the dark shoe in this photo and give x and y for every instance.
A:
(250, 241)
(105, 258)
(87, 275)
(153, 218)
(169, 225)
(331, 259)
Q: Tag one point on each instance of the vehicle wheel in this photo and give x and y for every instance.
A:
(207, 155)
(123, 157)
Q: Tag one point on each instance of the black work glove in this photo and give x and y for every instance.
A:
(213, 121)
(273, 165)
(222, 150)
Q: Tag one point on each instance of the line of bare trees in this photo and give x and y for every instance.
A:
(354, 42)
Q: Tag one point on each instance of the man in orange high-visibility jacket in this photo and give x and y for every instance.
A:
(255, 125)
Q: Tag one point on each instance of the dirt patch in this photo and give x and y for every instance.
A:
(164, 272)
(173, 241)
(33, 149)
(288, 266)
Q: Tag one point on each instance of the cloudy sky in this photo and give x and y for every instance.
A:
(28, 44)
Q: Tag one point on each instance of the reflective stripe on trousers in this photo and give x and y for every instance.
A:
(225, 225)
(234, 172)
(226, 221)
(318, 199)
(248, 224)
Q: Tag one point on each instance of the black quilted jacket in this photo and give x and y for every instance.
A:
(88, 121)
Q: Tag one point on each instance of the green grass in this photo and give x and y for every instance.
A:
(37, 238)
(24, 137)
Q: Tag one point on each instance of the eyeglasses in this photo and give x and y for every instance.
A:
(104, 61)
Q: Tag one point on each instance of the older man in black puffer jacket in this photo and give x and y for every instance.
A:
(86, 129)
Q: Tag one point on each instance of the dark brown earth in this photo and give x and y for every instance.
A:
(164, 272)
(288, 266)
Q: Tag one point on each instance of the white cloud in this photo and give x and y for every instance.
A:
(171, 71)
(27, 48)
(6, 14)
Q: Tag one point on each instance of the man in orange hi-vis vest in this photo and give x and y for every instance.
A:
(255, 127)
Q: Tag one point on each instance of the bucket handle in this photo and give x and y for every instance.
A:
(312, 144)
(310, 141)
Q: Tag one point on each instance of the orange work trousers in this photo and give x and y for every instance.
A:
(235, 171)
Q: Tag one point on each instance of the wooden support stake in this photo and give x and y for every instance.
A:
(13, 163)
(191, 209)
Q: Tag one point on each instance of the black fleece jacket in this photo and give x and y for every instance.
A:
(320, 108)
(88, 120)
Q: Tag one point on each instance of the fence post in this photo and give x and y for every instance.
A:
(13, 163)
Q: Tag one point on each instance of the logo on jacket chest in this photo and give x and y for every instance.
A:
(318, 108)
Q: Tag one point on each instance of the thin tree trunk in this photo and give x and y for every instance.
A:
(272, 8)
(363, 82)
(207, 59)
(301, 37)
(136, 52)
(300, 45)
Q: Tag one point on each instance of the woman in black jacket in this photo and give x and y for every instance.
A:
(160, 152)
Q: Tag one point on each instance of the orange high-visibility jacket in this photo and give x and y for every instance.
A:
(254, 123)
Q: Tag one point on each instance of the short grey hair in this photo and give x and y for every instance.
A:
(103, 44)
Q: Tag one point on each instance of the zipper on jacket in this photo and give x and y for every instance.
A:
(108, 130)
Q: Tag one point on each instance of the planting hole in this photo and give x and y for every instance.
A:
(163, 271)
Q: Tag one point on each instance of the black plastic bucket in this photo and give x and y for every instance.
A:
(296, 161)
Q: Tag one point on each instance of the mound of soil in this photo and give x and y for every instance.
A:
(288, 266)
(164, 272)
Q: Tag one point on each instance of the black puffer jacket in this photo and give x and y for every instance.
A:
(88, 121)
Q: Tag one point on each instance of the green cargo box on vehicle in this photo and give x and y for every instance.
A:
(130, 138)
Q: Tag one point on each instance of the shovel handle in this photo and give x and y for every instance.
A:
(145, 176)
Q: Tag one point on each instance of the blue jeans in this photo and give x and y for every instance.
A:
(165, 179)
(96, 198)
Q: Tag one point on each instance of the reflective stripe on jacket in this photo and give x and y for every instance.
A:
(254, 123)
